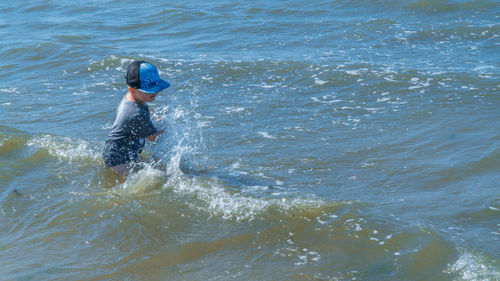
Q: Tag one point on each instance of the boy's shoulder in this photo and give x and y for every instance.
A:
(130, 107)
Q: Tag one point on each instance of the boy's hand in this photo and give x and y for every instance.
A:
(153, 137)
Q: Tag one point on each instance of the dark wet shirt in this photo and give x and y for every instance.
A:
(127, 137)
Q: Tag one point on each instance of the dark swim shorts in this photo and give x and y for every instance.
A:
(115, 154)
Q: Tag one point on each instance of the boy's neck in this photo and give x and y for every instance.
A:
(130, 97)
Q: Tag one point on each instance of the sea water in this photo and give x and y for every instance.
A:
(306, 140)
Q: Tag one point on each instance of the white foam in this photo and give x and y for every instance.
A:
(234, 109)
(383, 99)
(472, 267)
(356, 72)
(266, 135)
(235, 166)
(320, 82)
(66, 147)
(204, 124)
(325, 100)
(266, 86)
(10, 91)
(255, 189)
(218, 201)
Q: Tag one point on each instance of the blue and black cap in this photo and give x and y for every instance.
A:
(144, 76)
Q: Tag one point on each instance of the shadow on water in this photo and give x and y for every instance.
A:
(228, 179)
(106, 178)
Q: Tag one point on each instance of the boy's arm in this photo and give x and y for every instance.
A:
(162, 128)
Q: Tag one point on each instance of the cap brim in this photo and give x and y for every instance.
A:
(162, 85)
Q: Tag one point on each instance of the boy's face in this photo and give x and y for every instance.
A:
(148, 97)
(143, 97)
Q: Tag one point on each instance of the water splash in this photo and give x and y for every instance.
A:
(475, 267)
(142, 182)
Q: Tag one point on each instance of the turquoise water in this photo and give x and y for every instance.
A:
(329, 140)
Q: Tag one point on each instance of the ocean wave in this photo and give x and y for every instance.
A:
(446, 34)
(10, 145)
(67, 148)
(451, 6)
(118, 63)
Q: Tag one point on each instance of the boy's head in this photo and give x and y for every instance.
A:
(144, 76)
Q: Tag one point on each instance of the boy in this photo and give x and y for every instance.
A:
(133, 123)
